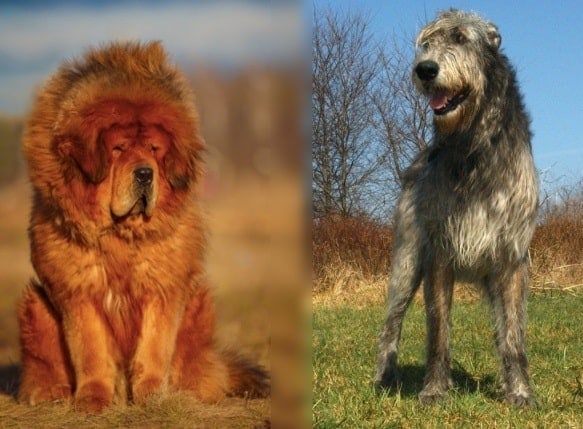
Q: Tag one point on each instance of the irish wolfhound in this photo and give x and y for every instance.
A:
(468, 205)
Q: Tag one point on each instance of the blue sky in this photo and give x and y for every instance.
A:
(36, 35)
(543, 40)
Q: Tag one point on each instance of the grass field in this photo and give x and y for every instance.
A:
(344, 344)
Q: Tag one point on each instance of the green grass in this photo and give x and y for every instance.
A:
(344, 356)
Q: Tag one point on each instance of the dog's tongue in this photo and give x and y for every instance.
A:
(439, 100)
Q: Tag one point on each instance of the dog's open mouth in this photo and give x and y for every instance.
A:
(443, 101)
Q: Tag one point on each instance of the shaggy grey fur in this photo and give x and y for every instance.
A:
(468, 205)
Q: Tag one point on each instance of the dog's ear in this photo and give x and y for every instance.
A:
(185, 146)
(494, 38)
(87, 154)
(180, 168)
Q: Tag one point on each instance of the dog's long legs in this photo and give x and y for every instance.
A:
(507, 294)
(405, 280)
(437, 292)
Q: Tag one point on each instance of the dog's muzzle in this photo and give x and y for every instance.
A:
(142, 191)
(441, 100)
(427, 70)
(143, 176)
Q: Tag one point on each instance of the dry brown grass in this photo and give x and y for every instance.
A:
(556, 250)
(11, 165)
(15, 267)
(173, 410)
(351, 257)
(357, 247)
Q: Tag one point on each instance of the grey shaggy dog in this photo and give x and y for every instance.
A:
(468, 205)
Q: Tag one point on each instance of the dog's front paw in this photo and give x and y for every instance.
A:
(93, 397)
(145, 388)
(387, 378)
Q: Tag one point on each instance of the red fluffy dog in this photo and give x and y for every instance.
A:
(119, 309)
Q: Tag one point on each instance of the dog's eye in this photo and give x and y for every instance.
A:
(117, 149)
(459, 38)
(154, 149)
(423, 46)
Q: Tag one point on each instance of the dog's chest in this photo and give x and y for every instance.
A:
(471, 225)
(122, 299)
(474, 231)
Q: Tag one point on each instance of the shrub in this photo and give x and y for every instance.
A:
(349, 252)
(356, 244)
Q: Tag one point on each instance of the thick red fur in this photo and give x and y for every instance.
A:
(119, 311)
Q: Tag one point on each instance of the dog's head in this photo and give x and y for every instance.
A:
(136, 153)
(129, 153)
(113, 139)
(455, 55)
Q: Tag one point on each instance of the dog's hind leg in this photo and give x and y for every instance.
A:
(46, 370)
(200, 367)
(507, 294)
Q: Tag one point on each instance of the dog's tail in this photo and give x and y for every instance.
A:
(246, 378)
(211, 372)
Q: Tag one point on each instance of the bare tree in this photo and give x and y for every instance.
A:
(344, 67)
(401, 117)
(367, 118)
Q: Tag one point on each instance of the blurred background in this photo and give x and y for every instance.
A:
(247, 61)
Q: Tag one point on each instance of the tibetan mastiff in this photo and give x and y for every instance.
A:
(119, 310)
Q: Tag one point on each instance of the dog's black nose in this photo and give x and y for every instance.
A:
(427, 70)
(144, 175)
